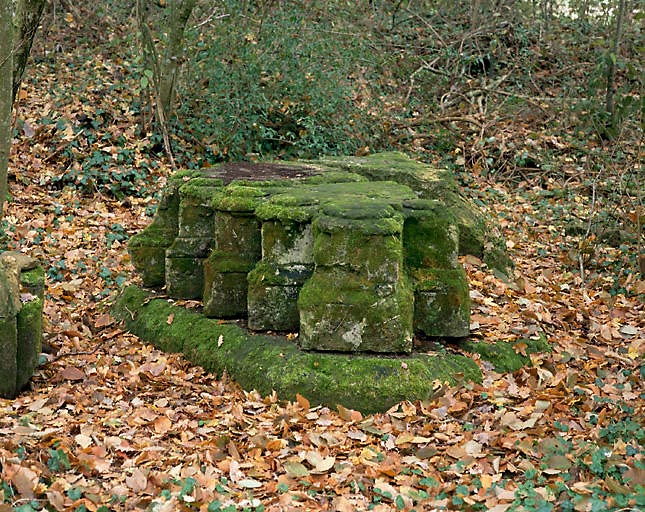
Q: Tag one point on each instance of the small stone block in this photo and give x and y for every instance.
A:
(442, 304)
(195, 221)
(340, 312)
(185, 277)
(287, 243)
(8, 367)
(29, 324)
(238, 234)
(225, 295)
(274, 308)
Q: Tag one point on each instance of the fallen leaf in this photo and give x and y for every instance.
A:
(137, 480)
(103, 321)
(249, 483)
(72, 373)
(162, 424)
(349, 414)
(295, 469)
(83, 440)
(302, 402)
(25, 481)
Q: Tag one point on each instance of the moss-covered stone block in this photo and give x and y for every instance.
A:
(196, 219)
(32, 281)
(273, 292)
(431, 236)
(441, 303)
(21, 310)
(237, 248)
(225, 293)
(148, 249)
(8, 363)
(342, 311)
(148, 254)
(29, 329)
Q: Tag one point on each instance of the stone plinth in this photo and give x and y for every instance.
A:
(356, 258)
(21, 308)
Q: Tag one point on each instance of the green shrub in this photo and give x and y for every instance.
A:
(278, 84)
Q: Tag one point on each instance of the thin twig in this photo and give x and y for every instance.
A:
(60, 356)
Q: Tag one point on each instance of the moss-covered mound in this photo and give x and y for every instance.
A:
(365, 382)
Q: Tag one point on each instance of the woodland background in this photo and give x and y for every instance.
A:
(536, 106)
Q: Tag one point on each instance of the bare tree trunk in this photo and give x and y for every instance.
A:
(25, 21)
(6, 85)
(610, 106)
(164, 70)
(179, 15)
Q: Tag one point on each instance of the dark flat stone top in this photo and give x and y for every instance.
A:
(252, 171)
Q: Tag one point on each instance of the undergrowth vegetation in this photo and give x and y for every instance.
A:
(277, 83)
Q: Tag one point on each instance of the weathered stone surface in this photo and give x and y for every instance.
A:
(363, 248)
(148, 249)
(8, 363)
(21, 307)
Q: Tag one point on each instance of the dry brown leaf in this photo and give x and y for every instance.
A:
(137, 480)
(72, 373)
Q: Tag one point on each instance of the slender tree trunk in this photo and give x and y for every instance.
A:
(25, 21)
(6, 87)
(165, 69)
(173, 56)
(610, 105)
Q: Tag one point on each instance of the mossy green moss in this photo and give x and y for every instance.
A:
(29, 322)
(430, 241)
(199, 190)
(334, 177)
(33, 281)
(364, 382)
(441, 302)
(507, 356)
(238, 198)
(8, 348)
(277, 210)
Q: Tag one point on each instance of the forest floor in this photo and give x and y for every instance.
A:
(110, 423)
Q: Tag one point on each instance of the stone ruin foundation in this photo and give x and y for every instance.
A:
(353, 261)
